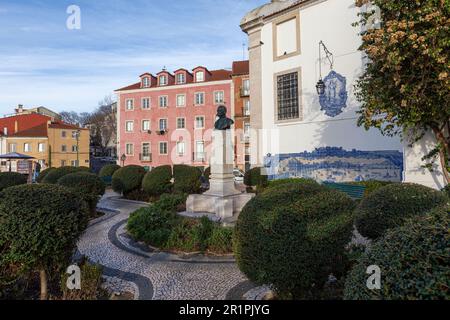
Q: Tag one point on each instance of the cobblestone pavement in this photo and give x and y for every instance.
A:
(156, 275)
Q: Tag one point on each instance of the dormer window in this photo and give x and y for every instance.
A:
(200, 76)
(163, 80)
(181, 78)
(146, 82)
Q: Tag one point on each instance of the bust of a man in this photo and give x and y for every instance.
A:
(223, 123)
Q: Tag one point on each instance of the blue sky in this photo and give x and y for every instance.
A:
(44, 63)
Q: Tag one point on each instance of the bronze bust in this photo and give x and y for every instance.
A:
(223, 123)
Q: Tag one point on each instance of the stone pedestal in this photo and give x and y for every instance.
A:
(222, 199)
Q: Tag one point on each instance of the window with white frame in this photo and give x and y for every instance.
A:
(246, 87)
(181, 148)
(163, 148)
(145, 151)
(199, 122)
(247, 108)
(145, 125)
(219, 97)
(162, 124)
(181, 100)
(74, 163)
(200, 98)
(181, 78)
(200, 150)
(129, 149)
(162, 80)
(41, 147)
(12, 147)
(27, 147)
(129, 104)
(181, 123)
(129, 126)
(74, 148)
(247, 130)
(63, 163)
(200, 76)
(145, 103)
(146, 82)
(163, 101)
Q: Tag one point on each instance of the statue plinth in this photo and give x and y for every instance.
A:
(222, 199)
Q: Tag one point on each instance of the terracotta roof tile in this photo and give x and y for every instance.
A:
(37, 131)
(240, 67)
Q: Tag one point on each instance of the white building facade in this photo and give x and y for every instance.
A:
(295, 131)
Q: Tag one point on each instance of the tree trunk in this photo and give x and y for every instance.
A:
(44, 291)
(443, 153)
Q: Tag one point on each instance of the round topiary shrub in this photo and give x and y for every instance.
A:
(388, 207)
(293, 236)
(446, 190)
(40, 226)
(280, 182)
(108, 170)
(413, 260)
(128, 179)
(158, 181)
(43, 174)
(54, 175)
(10, 179)
(254, 178)
(371, 185)
(187, 179)
(88, 185)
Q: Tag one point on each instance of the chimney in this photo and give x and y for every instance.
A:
(5, 131)
(16, 126)
(19, 108)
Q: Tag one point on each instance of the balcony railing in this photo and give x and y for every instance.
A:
(245, 92)
(145, 157)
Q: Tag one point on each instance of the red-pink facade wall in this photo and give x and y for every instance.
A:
(189, 135)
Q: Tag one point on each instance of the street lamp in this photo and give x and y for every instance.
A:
(123, 158)
(320, 86)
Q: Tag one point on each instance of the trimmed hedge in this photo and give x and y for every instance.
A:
(371, 185)
(280, 182)
(207, 174)
(54, 175)
(389, 206)
(10, 179)
(158, 181)
(186, 179)
(293, 236)
(254, 178)
(128, 179)
(108, 170)
(88, 185)
(446, 190)
(414, 262)
(221, 240)
(43, 174)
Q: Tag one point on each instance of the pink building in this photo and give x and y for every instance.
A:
(167, 118)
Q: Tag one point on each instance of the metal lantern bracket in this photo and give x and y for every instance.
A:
(330, 57)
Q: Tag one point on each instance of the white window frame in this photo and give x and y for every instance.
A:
(164, 83)
(182, 151)
(178, 78)
(74, 148)
(27, 147)
(126, 126)
(149, 149)
(202, 143)
(184, 102)
(146, 82)
(166, 100)
(159, 124)
(184, 123)
(203, 117)
(74, 163)
(222, 92)
(246, 89)
(127, 104)
(203, 76)
(143, 104)
(247, 107)
(132, 149)
(12, 147)
(167, 148)
(195, 98)
(149, 125)
(41, 147)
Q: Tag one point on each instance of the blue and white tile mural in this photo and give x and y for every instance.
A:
(334, 99)
(334, 164)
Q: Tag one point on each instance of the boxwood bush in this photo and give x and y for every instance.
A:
(207, 174)
(128, 179)
(40, 226)
(221, 240)
(370, 185)
(9, 179)
(413, 258)
(108, 170)
(88, 185)
(43, 173)
(158, 181)
(388, 207)
(446, 190)
(293, 236)
(280, 182)
(186, 179)
(54, 175)
(254, 178)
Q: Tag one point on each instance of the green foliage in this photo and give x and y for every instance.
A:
(280, 182)
(221, 240)
(186, 179)
(446, 190)
(254, 178)
(370, 185)
(43, 173)
(128, 179)
(405, 85)
(10, 179)
(158, 181)
(293, 236)
(389, 206)
(91, 281)
(207, 173)
(108, 170)
(414, 262)
(54, 175)
(40, 226)
(87, 185)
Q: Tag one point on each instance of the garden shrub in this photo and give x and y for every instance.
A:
(370, 185)
(186, 179)
(172, 202)
(293, 236)
(128, 179)
(254, 178)
(40, 227)
(108, 170)
(388, 207)
(158, 181)
(413, 258)
(10, 179)
(207, 174)
(221, 240)
(279, 182)
(54, 175)
(43, 174)
(191, 235)
(446, 190)
(88, 185)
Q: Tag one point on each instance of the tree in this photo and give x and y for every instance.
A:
(405, 87)
(72, 117)
(103, 124)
